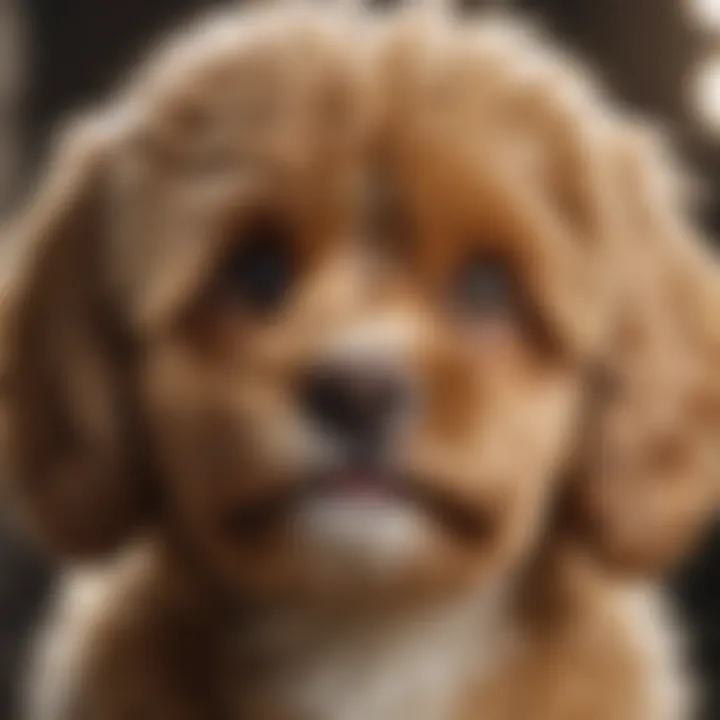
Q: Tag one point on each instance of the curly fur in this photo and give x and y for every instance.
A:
(141, 407)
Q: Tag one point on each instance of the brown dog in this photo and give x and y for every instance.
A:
(376, 358)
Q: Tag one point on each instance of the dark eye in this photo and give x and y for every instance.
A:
(259, 271)
(485, 287)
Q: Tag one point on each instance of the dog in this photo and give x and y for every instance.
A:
(359, 365)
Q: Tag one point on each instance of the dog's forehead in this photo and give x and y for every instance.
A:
(491, 81)
(251, 77)
(495, 82)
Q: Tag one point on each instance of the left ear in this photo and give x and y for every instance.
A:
(648, 477)
(72, 463)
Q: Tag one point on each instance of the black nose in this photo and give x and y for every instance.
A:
(361, 404)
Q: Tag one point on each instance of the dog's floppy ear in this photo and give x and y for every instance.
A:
(648, 478)
(69, 457)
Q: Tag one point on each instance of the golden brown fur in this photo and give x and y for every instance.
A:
(557, 457)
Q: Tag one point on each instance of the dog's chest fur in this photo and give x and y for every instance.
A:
(439, 665)
(414, 668)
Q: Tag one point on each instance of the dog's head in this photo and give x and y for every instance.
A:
(340, 306)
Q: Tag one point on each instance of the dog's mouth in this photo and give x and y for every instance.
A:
(367, 487)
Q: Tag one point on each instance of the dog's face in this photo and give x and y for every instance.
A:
(360, 376)
(359, 283)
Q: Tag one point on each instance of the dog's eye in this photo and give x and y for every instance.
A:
(259, 270)
(485, 287)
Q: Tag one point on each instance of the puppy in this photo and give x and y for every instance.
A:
(360, 367)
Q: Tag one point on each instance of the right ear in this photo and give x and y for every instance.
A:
(72, 464)
(646, 486)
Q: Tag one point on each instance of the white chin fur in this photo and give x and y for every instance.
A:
(359, 535)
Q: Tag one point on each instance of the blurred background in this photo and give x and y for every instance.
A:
(661, 57)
